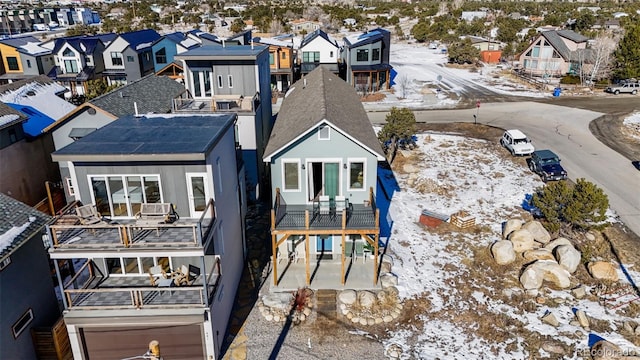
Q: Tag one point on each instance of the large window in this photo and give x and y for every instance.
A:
(116, 58)
(136, 265)
(202, 83)
(23, 322)
(122, 195)
(70, 66)
(12, 63)
(291, 175)
(161, 56)
(362, 55)
(375, 55)
(271, 59)
(356, 175)
(68, 53)
(311, 56)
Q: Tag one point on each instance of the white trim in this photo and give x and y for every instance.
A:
(380, 157)
(17, 332)
(364, 173)
(71, 190)
(126, 190)
(80, 253)
(290, 161)
(205, 179)
(309, 173)
(74, 178)
(320, 130)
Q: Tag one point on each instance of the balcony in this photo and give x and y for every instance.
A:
(308, 217)
(90, 290)
(67, 233)
(218, 103)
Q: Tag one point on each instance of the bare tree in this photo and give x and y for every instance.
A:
(313, 13)
(276, 27)
(403, 85)
(442, 8)
(601, 57)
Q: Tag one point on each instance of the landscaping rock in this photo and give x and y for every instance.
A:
(382, 296)
(604, 350)
(602, 270)
(582, 318)
(378, 320)
(277, 300)
(510, 226)
(388, 280)
(579, 292)
(552, 347)
(387, 318)
(568, 257)
(363, 321)
(392, 292)
(531, 279)
(557, 242)
(538, 254)
(347, 297)
(539, 233)
(366, 299)
(522, 240)
(533, 276)
(550, 319)
(502, 252)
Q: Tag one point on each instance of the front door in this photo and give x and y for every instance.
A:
(197, 192)
(324, 247)
(324, 179)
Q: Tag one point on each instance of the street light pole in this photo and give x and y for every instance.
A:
(475, 117)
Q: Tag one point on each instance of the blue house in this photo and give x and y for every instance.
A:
(323, 155)
(165, 48)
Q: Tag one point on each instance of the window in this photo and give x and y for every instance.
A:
(330, 53)
(129, 58)
(284, 56)
(161, 56)
(362, 55)
(29, 64)
(375, 55)
(70, 66)
(356, 175)
(116, 58)
(323, 133)
(271, 59)
(12, 63)
(536, 51)
(68, 53)
(147, 56)
(230, 79)
(291, 175)
(220, 81)
(21, 325)
(13, 136)
(311, 56)
(70, 188)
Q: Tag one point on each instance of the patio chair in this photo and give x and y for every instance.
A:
(359, 251)
(188, 274)
(155, 273)
(88, 215)
(341, 204)
(325, 205)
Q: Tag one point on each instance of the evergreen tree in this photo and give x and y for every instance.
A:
(550, 199)
(463, 52)
(628, 54)
(587, 205)
(398, 131)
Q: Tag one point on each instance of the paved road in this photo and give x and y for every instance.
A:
(565, 131)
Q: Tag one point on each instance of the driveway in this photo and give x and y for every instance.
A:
(565, 131)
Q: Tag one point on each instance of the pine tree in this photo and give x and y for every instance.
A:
(550, 199)
(628, 54)
(398, 131)
(587, 205)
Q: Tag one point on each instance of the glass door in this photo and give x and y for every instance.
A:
(324, 247)
(123, 195)
(197, 192)
(331, 179)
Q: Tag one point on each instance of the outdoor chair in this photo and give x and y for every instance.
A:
(155, 273)
(325, 205)
(89, 215)
(341, 204)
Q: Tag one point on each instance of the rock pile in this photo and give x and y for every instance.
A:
(279, 306)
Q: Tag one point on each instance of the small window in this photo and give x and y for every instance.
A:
(356, 175)
(29, 64)
(129, 58)
(330, 53)
(284, 56)
(21, 325)
(12, 63)
(13, 136)
(271, 59)
(362, 55)
(116, 58)
(70, 188)
(161, 56)
(220, 81)
(68, 53)
(219, 166)
(230, 78)
(291, 175)
(323, 133)
(375, 55)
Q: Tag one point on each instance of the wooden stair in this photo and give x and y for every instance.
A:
(326, 303)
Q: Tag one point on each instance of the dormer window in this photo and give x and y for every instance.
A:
(68, 53)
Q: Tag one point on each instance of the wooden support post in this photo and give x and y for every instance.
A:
(52, 210)
(342, 258)
(376, 237)
(306, 249)
(274, 249)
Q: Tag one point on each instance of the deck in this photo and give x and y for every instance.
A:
(326, 274)
(356, 217)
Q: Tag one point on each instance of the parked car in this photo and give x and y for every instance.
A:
(624, 88)
(547, 164)
(636, 163)
(516, 142)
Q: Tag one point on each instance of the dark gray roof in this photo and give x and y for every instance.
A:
(18, 223)
(213, 51)
(152, 94)
(324, 97)
(555, 39)
(573, 36)
(161, 137)
(8, 110)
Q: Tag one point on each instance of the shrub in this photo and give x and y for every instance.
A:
(570, 80)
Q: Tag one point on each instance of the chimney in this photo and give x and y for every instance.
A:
(304, 83)
(222, 42)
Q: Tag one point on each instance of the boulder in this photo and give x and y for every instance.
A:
(540, 234)
(387, 318)
(347, 297)
(557, 242)
(510, 226)
(550, 319)
(603, 270)
(276, 300)
(522, 240)
(382, 296)
(582, 318)
(604, 350)
(366, 299)
(552, 347)
(385, 267)
(538, 254)
(531, 279)
(502, 252)
(386, 258)
(533, 276)
(392, 292)
(568, 257)
(579, 292)
(388, 280)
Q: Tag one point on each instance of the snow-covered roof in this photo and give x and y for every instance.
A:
(40, 96)
(18, 223)
(34, 48)
(143, 45)
(272, 41)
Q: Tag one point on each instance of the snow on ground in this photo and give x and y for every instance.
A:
(451, 173)
(632, 125)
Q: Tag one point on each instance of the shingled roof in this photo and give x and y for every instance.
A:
(152, 94)
(555, 39)
(318, 97)
(18, 223)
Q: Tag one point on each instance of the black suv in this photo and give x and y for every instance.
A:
(547, 164)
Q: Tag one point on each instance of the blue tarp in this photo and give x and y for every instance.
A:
(392, 75)
(37, 121)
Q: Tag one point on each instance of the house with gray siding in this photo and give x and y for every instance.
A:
(163, 255)
(223, 79)
(555, 53)
(365, 58)
(26, 291)
(129, 57)
(23, 58)
(324, 155)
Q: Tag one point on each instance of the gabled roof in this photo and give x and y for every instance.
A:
(40, 93)
(84, 44)
(10, 116)
(72, 115)
(573, 36)
(555, 39)
(141, 39)
(204, 35)
(318, 33)
(156, 137)
(273, 42)
(180, 39)
(324, 99)
(26, 45)
(17, 42)
(18, 223)
(151, 94)
(365, 38)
